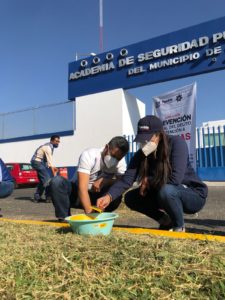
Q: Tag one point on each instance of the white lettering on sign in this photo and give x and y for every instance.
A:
(202, 41)
(136, 70)
(154, 55)
(173, 61)
(126, 61)
(92, 71)
(218, 36)
(214, 51)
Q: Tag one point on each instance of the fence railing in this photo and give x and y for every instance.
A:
(210, 146)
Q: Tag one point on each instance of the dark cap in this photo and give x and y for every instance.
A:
(147, 127)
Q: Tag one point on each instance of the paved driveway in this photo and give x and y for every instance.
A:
(210, 220)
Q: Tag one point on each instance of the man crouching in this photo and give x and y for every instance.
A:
(97, 170)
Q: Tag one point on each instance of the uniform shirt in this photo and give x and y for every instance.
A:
(44, 154)
(181, 170)
(90, 162)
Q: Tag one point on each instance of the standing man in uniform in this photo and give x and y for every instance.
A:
(6, 182)
(41, 162)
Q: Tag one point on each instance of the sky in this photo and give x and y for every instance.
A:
(40, 38)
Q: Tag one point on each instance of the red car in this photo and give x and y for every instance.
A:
(23, 174)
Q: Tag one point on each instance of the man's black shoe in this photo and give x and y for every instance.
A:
(48, 199)
(36, 200)
(62, 220)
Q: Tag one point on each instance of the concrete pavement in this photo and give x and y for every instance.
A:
(211, 220)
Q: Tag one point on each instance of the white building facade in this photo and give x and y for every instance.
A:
(98, 118)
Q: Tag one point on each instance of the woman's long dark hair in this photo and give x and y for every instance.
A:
(163, 167)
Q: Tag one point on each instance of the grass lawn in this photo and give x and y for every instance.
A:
(41, 262)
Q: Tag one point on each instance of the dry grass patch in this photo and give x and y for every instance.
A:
(39, 262)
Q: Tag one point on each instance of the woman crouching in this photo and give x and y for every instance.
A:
(168, 185)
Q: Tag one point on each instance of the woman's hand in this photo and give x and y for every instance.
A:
(104, 201)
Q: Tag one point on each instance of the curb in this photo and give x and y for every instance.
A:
(215, 183)
(156, 232)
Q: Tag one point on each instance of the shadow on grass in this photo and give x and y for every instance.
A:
(188, 229)
(61, 230)
(64, 230)
(210, 226)
(132, 226)
(206, 222)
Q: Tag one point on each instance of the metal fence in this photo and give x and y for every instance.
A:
(210, 146)
(39, 120)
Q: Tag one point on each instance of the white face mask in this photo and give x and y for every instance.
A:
(148, 148)
(110, 161)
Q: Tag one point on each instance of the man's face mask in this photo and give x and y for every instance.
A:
(110, 161)
(55, 143)
(148, 148)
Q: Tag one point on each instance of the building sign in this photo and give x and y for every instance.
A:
(187, 52)
(177, 110)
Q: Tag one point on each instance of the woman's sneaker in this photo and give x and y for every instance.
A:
(178, 229)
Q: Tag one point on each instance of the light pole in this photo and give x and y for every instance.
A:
(77, 55)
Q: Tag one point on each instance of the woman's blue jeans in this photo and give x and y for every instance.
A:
(173, 199)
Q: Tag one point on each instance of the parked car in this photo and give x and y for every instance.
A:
(23, 174)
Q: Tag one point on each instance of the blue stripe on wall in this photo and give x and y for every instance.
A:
(212, 173)
(37, 136)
